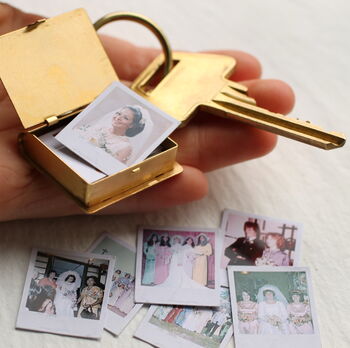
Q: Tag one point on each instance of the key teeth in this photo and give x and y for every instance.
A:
(237, 86)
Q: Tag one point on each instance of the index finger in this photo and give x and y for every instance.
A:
(130, 60)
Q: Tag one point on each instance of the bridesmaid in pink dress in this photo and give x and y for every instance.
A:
(299, 315)
(163, 256)
(247, 315)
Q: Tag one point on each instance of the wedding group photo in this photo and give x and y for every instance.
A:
(178, 266)
(183, 259)
(273, 303)
(206, 327)
(121, 294)
(65, 292)
(67, 287)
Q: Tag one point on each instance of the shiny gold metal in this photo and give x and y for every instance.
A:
(148, 23)
(198, 82)
(58, 66)
(52, 72)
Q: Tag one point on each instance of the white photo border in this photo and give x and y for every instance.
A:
(146, 332)
(225, 215)
(98, 157)
(273, 341)
(114, 323)
(205, 297)
(78, 327)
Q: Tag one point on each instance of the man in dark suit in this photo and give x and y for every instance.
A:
(245, 250)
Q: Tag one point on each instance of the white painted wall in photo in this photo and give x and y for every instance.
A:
(115, 323)
(63, 325)
(273, 341)
(199, 296)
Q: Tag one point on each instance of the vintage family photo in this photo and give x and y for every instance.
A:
(259, 240)
(169, 326)
(66, 293)
(175, 261)
(81, 167)
(272, 302)
(121, 296)
(117, 130)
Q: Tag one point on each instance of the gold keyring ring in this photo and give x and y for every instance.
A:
(116, 16)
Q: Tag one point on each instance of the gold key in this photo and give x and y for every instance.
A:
(197, 82)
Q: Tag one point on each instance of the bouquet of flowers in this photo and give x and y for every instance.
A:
(262, 261)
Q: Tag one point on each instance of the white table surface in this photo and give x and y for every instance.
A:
(302, 42)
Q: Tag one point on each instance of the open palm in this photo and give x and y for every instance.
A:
(205, 144)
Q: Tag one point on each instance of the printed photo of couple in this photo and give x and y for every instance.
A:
(178, 259)
(117, 129)
(259, 241)
(67, 288)
(273, 303)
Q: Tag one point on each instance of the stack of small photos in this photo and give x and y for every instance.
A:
(118, 129)
(182, 273)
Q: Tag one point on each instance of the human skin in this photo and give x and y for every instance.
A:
(250, 232)
(122, 121)
(271, 243)
(245, 296)
(205, 144)
(270, 297)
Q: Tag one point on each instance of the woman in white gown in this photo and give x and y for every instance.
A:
(177, 276)
(116, 131)
(272, 311)
(188, 255)
(66, 293)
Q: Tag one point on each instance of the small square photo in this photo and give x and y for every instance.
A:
(65, 293)
(172, 326)
(258, 240)
(270, 302)
(117, 130)
(121, 296)
(176, 266)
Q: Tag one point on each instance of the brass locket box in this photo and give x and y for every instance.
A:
(52, 70)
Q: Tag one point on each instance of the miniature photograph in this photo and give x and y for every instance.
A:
(256, 240)
(121, 296)
(177, 266)
(117, 130)
(169, 326)
(65, 293)
(270, 302)
(82, 168)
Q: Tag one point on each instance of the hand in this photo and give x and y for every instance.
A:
(241, 257)
(207, 143)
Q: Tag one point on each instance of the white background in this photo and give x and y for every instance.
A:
(305, 43)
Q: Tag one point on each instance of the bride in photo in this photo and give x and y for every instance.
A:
(177, 277)
(66, 293)
(272, 311)
(121, 133)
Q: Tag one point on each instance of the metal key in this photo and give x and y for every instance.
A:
(197, 82)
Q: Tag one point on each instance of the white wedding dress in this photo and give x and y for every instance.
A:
(177, 277)
(66, 294)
